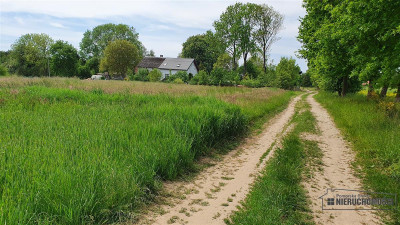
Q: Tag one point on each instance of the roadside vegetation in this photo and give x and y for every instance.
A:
(74, 153)
(373, 129)
(278, 196)
(350, 42)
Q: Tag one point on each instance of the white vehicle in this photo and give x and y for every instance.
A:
(97, 77)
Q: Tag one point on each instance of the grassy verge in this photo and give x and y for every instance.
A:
(375, 137)
(277, 196)
(70, 156)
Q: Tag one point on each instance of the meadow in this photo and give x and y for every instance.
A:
(81, 152)
(373, 129)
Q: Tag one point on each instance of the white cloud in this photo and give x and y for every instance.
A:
(19, 20)
(58, 25)
(10, 30)
(198, 14)
(158, 27)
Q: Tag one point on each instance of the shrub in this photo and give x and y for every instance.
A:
(231, 78)
(178, 81)
(388, 107)
(287, 73)
(252, 83)
(223, 77)
(155, 75)
(181, 75)
(269, 77)
(216, 76)
(252, 70)
(142, 75)
(84, 72)
(130, 74)
(3, 70)
(203, 77)
(194, 80)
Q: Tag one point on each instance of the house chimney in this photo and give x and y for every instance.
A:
(161, 56)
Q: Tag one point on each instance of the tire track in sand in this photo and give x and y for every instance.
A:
(337, 172)
(217, 190)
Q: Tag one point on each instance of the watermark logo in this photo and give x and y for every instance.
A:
(345, 199)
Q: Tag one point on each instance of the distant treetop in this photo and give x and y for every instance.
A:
(95, 41)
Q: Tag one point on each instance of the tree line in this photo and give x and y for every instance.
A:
(243, 31)
(247, 32)
(100, 48)
(350, 42)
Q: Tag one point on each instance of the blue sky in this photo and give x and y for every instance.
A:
(163, 25)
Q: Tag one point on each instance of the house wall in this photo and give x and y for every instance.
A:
(192, 69)
(166, 72)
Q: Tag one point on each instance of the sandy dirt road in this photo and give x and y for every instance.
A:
(217, 190)
(336, 173)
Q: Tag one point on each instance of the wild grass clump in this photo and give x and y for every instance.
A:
(76, 157)
(277, 197)
(374, 134)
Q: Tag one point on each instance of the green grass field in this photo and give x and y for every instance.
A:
(73, 153)
(375, 134)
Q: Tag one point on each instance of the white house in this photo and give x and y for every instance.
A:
(169, 66)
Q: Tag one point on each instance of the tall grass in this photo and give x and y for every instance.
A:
(375, 137)
(257, 104)
(70, 156)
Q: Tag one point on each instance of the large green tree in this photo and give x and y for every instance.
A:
(228, 29)
(248, 29)
(326, 47)
(204, 48)
(95, 41)
(267, 24)
(30, 55)
(64, 59)
(247, 43)
(119, 56)
(350, 40)
(375, 53)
